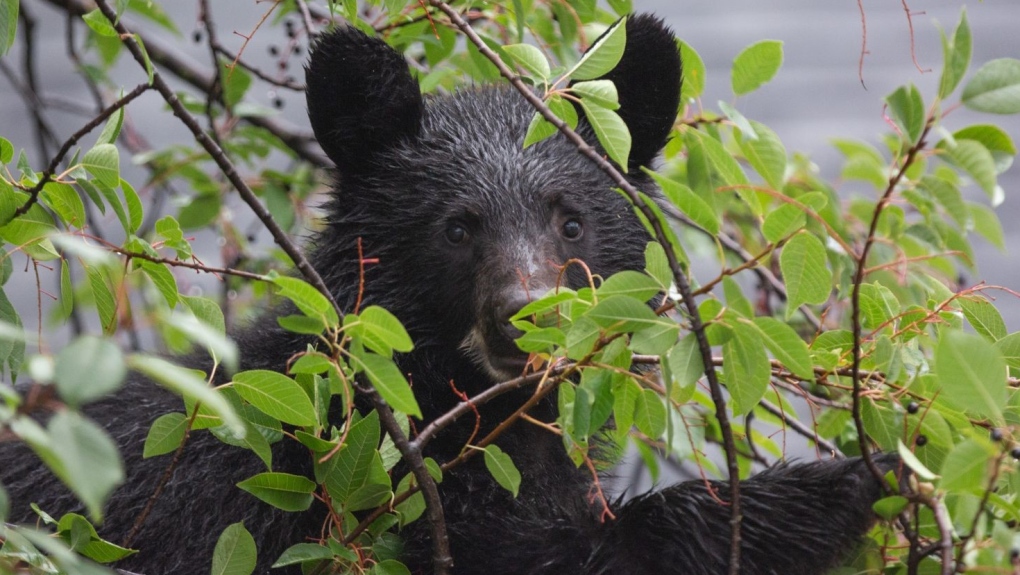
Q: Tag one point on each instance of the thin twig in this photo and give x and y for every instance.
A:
(855, 297)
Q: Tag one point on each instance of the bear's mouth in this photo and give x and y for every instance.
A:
(501, 360)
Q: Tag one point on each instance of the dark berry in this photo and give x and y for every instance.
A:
(273, 50)
(996, 434)
(1014, 555)
(913, 407)
(283, 65)
(296, 49)
(921, 440)
(1015, 452)
(278, 103)
(197, 36)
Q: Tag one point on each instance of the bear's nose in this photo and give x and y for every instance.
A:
(507, 309)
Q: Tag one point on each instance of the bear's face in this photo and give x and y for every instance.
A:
(466, 224)
(488, 225)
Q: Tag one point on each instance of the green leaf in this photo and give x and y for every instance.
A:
(995, 88)
(310, 362)
(711, 167)
(746, 367)
(995, 139)
(976, 160)
(783, 221)
(8, 31)
(1009, 347)
(542, 339)
(656, 339)
(106, 304)
(236, 81)
(889, 507)
(65, 202)
(135, 212)
(983, 317)
(281, 490)
(965, 468)
(600, 92)
(87, 369)
(82, 537)
(956, 57)
(162, 278)
(303, 553)
(66, 302)
(786, 346)
(906, 107)
(31, 230)
(89, 459)
(766, 154)
(530, 58)
(387, 379)
(165, 435)
(687, 202)
(685, 363)
(502, 469)
(540, 129)
(188, 385)
(103, 162)
(756, 65)
(623, 314)
(235, 552)
(99, 23)
(381, 326)
(252, 439)
(112, 128)
(947, 194)
(207, 311)
(987, 224)
(630, 283)
(348, 470)
(808, 280)
(307, 299)
(276, 395)
(694, 73)
(611, 132)
(390, 567)
(603, 55)
(6, 148)
(219, 346)
(972, 374)
(914, 463)
(650, 414)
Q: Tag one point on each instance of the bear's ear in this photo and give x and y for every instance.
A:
(648, 81)
(361, 97)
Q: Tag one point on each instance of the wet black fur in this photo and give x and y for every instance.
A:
(407, 168)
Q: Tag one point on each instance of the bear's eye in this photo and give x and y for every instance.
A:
(572, 229)
(456, 233)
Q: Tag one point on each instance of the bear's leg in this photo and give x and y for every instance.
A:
(796, 520)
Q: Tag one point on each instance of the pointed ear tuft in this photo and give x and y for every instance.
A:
(361, 97)
(648, 81)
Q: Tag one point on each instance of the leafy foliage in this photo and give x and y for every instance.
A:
(938, 370)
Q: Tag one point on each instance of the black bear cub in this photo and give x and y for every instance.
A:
(467, 225)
